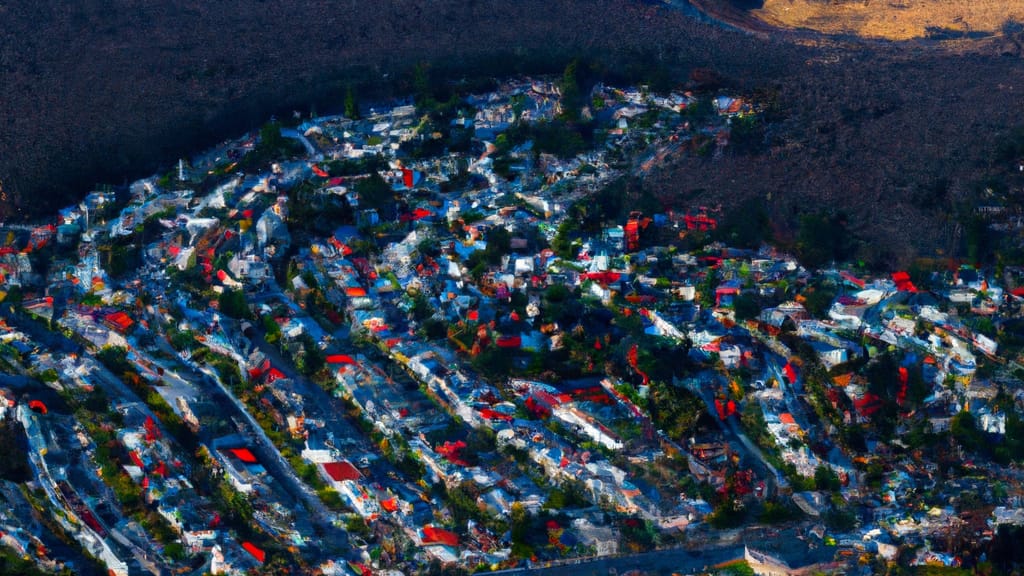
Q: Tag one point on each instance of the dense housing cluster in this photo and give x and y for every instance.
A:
(454, 335)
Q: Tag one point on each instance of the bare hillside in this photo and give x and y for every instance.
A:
(895, 19)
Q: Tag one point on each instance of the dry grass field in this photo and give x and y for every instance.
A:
(894, 19)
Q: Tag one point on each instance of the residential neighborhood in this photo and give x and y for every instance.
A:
(451, 337)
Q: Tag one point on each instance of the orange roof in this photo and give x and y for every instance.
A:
(786, 418)
(843, 379)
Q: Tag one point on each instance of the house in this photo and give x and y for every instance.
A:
(829, 355)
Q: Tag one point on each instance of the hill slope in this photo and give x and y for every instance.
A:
(92, 93)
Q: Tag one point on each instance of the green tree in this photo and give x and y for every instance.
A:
(520, 531)
(570, 89)
(840, 519)
(272, 329)
(313, 359)
(826, 479)
(965, 430)
(822, 239)
(174, 551)
(746, 306)
(777, 513)
(232, 304)
(270, 136)
(747, 134)
(14, 464)
(818, 300)
(745, 226)
(374, 192)
(351, 105)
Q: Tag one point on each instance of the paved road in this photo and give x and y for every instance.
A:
(280, 469)
(295, 134)
(773, 479)
(660, 562)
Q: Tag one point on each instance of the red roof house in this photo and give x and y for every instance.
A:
(435, 535)
(256, 553)
(339, 471)
(244, 454)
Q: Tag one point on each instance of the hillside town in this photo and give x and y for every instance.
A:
(452, 337)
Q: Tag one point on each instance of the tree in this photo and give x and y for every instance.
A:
(14, 465)
(826, 479)
(745, 226)
(965, 430)
(313, 359)
(520, 530)
(434, 329)
(746, 306)
(351, 105)
(174, 551)
(97, 401)
(270, 136)
(232, 304)
(499, 243)
(822, 239)
(675, 410)
(272, 329)
(639, 535)
(562, 243)
(570, 89)
(777, 513)
(841, 520)
(746, 134)
(374, 191)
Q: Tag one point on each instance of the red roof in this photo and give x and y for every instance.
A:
(355, 291)
(120, 320)
(903, 283)
(258, 554)
(603, 277)
(37, 406)
(274, 374)
(452, 451)
(135, 459)
(343, 470)
(434, 535)
(790, 373)
(340, 359)
(509, 342)
(389, 505)
(244, 455)
(493, 415)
